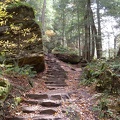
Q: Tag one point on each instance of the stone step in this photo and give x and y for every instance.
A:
(57, 85)
(50, 82)
(56, 79)
(44, 103)
(15, 118)
(32, 102)
(36, 117)
(46, 118)
(50, 103)
(48, 111)
(59, 96)
(54, 88)
(30, 109)
(56, 97)
(37, 96)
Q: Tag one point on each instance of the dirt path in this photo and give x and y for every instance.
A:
(61, 98)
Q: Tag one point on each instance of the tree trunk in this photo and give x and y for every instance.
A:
(118, 54)
(99, 40)
(43, 17)
(87, 31)
(94, 34)
(115, 40)
(78, 21)
(63, 29)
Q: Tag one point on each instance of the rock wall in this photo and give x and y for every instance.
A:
(20, 37)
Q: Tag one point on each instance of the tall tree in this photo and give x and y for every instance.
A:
(43, 17)
(87, 31)
(99, 39)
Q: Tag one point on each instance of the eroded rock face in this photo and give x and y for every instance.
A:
(21, 37)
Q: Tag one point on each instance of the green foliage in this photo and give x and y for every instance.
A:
(102, 108)
(101, 73)
(16, 70)
(17, 100)
(4, 89)
(17, 4)
(106, 108)
(61, 49)
(104, 76)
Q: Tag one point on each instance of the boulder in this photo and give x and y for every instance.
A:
(69, 58)
(37, 61)
(21, 38)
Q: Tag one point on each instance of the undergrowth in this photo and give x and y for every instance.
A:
(15, 70)
(105, 77)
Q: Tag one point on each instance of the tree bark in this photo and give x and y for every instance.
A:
(87, 32)
(99, 40)
(43, 17)
(78, 21)
(63, 30)
(118, 54)
(94, 34)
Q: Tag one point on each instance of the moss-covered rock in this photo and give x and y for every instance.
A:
(69, 58)
(23, 36)
(66, 55)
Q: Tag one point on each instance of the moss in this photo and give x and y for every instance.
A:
(17, 4)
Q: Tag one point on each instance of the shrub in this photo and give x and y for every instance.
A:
(102, 74)
(16, 70)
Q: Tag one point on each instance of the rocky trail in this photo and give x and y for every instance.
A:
(62, 99)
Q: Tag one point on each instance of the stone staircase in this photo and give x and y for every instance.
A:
(50, 104)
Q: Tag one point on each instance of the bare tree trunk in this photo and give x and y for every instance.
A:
(43, 17)
(118, 54)
(99, 40)
(87, 31)
(94, 34)
(63, 30)
(78, 21)
(115, 40)
(93, 43)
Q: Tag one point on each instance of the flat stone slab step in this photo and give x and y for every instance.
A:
(44, 103)
(32, 102)
(38, 117)
(37, 96)
(57, 85)
(50, 82)
(57, 80)
(30, 109)
(50, 103)
(46, 118)
(55, 97)
(15, 118)
(48, 111)
(59, 96)
(54, 88)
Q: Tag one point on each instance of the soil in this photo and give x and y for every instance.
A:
(56, 95)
